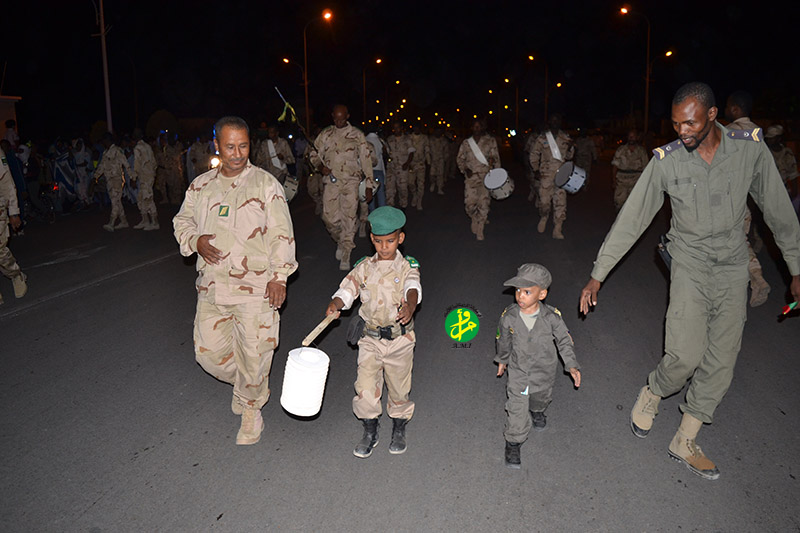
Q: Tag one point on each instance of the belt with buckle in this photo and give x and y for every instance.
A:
(388, 332)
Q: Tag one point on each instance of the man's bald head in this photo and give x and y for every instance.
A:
(340, 115)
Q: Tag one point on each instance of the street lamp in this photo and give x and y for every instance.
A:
(626, 11)
(364, 87)
(327, 15)
(101, 22)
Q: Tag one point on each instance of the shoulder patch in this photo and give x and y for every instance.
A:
(750, 135)
(413, 262)
(360, 261)
(662, 151)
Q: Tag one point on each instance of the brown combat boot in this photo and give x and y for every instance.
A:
(683, 448)
(344, 263)
(644, 412)
(542, 225)
(479, 231)
(557, 231)
(20, 285)
(252, 426)
(236, 407)
(759, 288)
(143, 224)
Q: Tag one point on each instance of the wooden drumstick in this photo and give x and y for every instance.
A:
(317, 330)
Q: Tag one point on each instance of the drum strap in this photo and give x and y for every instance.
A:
(274, 155)
(553, 146)
(477, 151)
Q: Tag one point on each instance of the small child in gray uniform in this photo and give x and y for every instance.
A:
(525, 346)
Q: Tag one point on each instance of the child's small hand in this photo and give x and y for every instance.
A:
(501, 368)
(406, 310)
(576, 376)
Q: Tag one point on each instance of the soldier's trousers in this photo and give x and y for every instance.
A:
(397, 186)
(114, 188)
(416, 185)
(476, 199)
(340, 210)
(379, 361)
(754, 267)
(705, 319)
(521, 400)
(624, 186)
(176, 187)
(315, 188)
(235, 343)
(145, 200)
(8, 265)
(161, 184)
(549, 193)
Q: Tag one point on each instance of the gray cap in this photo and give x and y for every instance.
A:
(774, 131)
(529, 275)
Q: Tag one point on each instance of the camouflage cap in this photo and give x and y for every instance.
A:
(774, 131)
(530, 275)
(385, 220)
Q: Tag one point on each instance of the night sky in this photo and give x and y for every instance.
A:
(205, 59)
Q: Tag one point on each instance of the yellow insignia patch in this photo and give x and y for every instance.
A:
(224, 210)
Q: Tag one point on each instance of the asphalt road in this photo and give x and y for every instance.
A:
(108, 424)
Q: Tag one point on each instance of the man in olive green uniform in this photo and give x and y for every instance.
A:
(550, 150)
(626, 167)
(237, 220)
(9, 213)
(341, 151)
(707, 174)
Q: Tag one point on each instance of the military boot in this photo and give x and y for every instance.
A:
(644, 411)
(338, 254)
(143, 224)
(109, 227)
(369, 440)
(759, 288)
(512, 455)
(683, 448)
(479, 231)
(236, 407)
(398, 444)
(20, 285)
(252, 425)
(344, 263)
(539, 420)
(542, 224)
(362, 229)
(152, 223)
(557, 230)
(123, 223)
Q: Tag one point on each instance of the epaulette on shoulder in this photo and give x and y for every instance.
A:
(750, 135)
(553, 309)
(506, 310)
(360, 261)
(413, 262)
(662, 151)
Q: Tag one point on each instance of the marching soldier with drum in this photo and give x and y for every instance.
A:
(551, 149)
(477, 155)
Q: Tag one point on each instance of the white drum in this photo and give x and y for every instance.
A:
(499, 183)
(304, 381)
(290, 187)
(570, 178)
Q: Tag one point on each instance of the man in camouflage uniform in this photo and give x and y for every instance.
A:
(707, 174)
(113, 165)
(169, 177)
(401, 154)
(626, 167)
(533, 177)
(417, 168)
(237, 220)
(341, 152)
(274, 154)
(550, 150)
(585, 153)
(439, 151)
(737, 111)
(784, 158)
(197, 158)
(477, 155)
(144, 171)
(9, 213)
(314, 182)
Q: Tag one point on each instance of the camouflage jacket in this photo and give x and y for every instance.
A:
(144, 160)
(786, 163)
(422, 145)
(541, 158)
(399, 148)
(381, 285)
(253, 231)
(8, 192)
(264, 159)
(468, 164)
(112, 164)
(630, 161)
(343, 150)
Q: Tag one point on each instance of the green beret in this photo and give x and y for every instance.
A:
(385, 220)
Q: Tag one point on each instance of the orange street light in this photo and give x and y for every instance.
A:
(327, 15)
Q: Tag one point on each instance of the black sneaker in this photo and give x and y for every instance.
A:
(512, 455)
(539, 420)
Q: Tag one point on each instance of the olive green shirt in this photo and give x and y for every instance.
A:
(708, 206)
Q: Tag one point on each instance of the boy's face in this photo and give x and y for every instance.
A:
(528, 298)
(386, 245)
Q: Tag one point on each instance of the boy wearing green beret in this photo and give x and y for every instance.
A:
(389, 287)
(527, 337)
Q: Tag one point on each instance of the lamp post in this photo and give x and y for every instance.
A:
(364, 90)
(625, 11)
(327, 15)
(101, 22)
